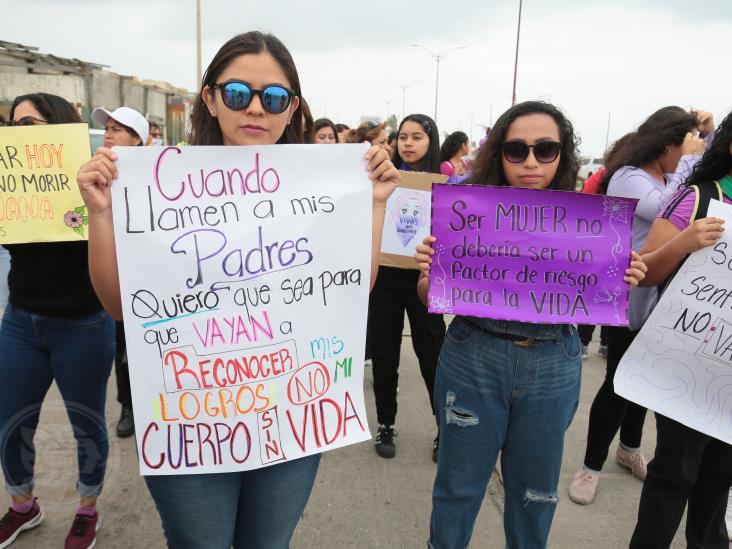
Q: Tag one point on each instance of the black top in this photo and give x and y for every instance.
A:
(52, 279)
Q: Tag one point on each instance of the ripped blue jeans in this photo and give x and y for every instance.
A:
(491, 396)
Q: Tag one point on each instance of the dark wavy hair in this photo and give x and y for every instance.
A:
(452, 144)
(55, 109)
(321, 123)
(665, 127)
(717, 161)
(616, 148)
(431, 161)
(205, 128)
(488, 165)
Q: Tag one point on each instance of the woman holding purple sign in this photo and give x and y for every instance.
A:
(250, 95)
(649, 166)
(507, 386)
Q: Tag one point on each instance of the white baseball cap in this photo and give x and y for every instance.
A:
(125, 116)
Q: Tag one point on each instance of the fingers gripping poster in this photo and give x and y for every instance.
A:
(244, 274)
(530, 255)
(407, 219)
(680, 363)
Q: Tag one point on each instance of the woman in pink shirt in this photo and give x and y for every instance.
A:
(688, 466)
(455, 146)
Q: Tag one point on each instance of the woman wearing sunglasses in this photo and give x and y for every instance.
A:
(506, 386)
(649, 167)
(395, 292)
(54, 329)
(250, 95)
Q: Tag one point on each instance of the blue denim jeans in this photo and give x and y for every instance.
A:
(493, 396)
(254, 509)
(4, 270)
(77, 353)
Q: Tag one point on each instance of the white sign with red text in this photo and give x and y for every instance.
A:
(244, 274)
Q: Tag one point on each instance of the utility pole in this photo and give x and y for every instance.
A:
(404, 88)
(198, 43)
(437, 57)
(515, 64)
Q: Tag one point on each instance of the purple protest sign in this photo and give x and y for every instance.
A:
(530, 255)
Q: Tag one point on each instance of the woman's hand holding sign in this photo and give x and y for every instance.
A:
(637, 270)
(423, 257)
(385, 178)
(95, 178)
(95, 181)
(383, 174)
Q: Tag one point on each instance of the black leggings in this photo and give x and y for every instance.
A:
(585, 332)
(394, 293)
(611, 412)
(692, 467)
(121, 367)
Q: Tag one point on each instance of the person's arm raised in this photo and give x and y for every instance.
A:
(95, 180)
(666, 246)
(385, 178)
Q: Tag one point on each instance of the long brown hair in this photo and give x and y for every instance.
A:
(488, 166)
(666, 126)
(205, 128)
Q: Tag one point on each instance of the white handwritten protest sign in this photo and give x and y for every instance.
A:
(245, 275)
(680, 363)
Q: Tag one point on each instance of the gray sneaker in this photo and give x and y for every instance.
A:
(602, 351)
(384, 443)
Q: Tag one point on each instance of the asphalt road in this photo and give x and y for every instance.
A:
(359, 500)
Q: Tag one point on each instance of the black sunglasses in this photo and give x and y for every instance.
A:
(25, 121)
(545, 152)
(237, 95)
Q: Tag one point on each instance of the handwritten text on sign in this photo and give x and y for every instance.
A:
(39, 197)
(680, 363)
(530, 255)
(245, 277)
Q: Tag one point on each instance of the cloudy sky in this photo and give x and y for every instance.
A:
(592, 58)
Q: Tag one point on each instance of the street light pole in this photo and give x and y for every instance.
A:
(515, 65)
(437, 86)
(388, 103)
(198, 43)
(437, 57)
(404, 88)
